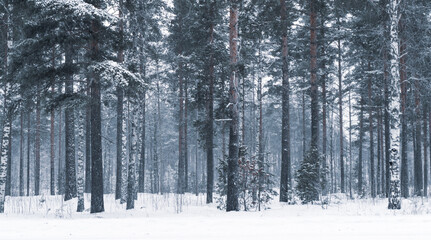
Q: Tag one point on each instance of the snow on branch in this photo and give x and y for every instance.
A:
(114, 72)
(77, 8)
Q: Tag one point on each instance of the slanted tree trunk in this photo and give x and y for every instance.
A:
(394, 106)
(286, 166)
(232, 172)
(70, 184)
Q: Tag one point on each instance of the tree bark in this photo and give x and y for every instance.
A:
(232, 172)
(97, 204)
(371, 130)
(70, 184)
(418, 165)
(286, 166)
(394, 106)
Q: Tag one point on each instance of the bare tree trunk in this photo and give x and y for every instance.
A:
(285, 178)
(340, 102)
(403, 78)
(232, 187)
(371, 129)
(70, 184)
(394, 106)
(210, 115)
(37, 146)
(21, 154)
(52, 148)
(80, 165)
(418, 165)
(28, 151)
(97, 203)
(361, 139)
(425, 146)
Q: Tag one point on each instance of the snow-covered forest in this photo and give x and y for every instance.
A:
(288, 113)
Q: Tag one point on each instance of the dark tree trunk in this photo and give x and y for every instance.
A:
(285, 178)
(425, 146)
(52, 148)
(28, 150)
(120, 112)
(361, 139)
(37, 146)
(21, 154)
(210, 114)
(60, 175)
(418, 165)
(232, 172)
(88, 141)
(340, 99)
(97, 204)
(70, 184)
(141, 180)
(371, 130)
(404, 160)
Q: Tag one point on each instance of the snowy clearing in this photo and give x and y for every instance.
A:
(157, 217)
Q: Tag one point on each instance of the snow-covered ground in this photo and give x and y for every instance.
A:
(163, 217)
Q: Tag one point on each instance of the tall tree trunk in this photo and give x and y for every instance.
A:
(210, 113)
(121, 153)
(21, 154)
(350, 148)
(340, 102)
(403, 78)
(418, 165)
(232, 172)
(387, 123)
(6, 131)
(97, 204)
(8, 186)
(141, 180)
(131, 183)
(80, 165)
(425, 146)
(394, 106)
(371, 130)
(379, 166)
(88, 140)
(52, 148)
(60, 175)
(314, 93)
(286, 166)
(361, 139)
(186, 149)
(37, 146)
(28, 150)
(70, 184)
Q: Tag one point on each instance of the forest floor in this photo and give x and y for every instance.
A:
(163, 217)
